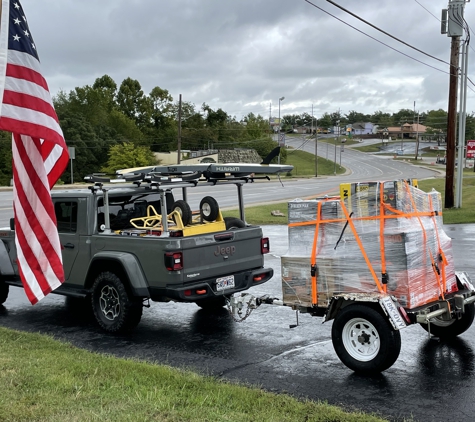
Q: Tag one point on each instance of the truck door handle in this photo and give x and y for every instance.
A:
(69, 246)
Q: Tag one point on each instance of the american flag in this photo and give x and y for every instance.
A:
(40, 154)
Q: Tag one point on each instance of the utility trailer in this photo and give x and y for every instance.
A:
(374, 260)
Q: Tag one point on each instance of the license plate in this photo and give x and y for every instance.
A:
(224, 283)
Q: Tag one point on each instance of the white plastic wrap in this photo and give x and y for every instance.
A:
(379, 236)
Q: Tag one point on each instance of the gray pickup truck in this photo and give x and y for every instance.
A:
(125, 245)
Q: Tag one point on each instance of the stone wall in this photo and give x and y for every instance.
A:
(238, 156)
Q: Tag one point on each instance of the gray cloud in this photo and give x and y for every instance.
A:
(243, 55)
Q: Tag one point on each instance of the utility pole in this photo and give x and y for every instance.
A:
(417, 131)
(462, 123)
(316, 143)
(451, 123)
(278, 136)
(452, 21)
(179, 132)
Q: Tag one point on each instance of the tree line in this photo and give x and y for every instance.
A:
(113, 126)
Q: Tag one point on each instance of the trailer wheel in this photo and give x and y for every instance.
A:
(184, 210)
(213, 304)
(364, 339)
(209, 208)
(453, 328)
(233, 223)
(4, 290)
(114, 309)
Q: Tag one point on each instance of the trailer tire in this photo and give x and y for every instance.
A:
(4, 290)
(184, 210)
(114, 310)
(364, 339)
(233, 223)
(209, 208)
(451, 329)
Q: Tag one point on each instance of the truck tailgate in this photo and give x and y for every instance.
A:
(223, 253)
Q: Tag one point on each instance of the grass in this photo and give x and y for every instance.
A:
(304, 164)
(261, 214)
(46, 380)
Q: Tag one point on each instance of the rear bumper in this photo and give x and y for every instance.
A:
(206, 289)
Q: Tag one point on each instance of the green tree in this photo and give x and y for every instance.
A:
(264, 146)
(162, 110)
(325, 121)
(255, 128)
(108, 88)
(381, 119)
(470, 126)
(90, 152)
(436, 120)
(133, 103)
(404, 115)
(128, 155)
(355, 117)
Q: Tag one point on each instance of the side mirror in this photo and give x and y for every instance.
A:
(12, 224)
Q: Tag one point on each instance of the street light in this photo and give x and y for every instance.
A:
(278, 135)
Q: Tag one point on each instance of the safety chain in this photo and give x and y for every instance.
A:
(239, 311)
(235, 305)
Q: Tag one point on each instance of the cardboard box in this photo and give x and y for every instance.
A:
(297, 281)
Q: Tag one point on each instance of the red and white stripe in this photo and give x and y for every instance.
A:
(37, 241)
(39, 158)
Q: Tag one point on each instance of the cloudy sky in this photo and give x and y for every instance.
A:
(243, 55)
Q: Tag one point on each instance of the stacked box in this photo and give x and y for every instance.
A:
(297, 280)
(412, 244)
(301, 237)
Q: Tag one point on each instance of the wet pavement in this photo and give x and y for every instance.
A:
(431, 381)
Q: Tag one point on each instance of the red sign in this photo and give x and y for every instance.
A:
(471, 149)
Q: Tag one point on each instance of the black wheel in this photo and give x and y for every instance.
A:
(364, 339)
(4, 290)
(113, 308)
(233, 223)
(209, 208)
(184, 210)
(453, 328)
(212, 304)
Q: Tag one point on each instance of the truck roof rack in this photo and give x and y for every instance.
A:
(193, 173)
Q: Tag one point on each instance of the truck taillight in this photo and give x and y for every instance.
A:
(174, 261)
(265, 245)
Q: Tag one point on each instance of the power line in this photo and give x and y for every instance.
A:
(427, 10)
(384, 32)
(375, 39)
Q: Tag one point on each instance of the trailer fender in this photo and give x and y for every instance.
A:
(389, 305)
(131, 266)
(464, 279)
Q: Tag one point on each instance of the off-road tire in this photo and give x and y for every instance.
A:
(233, 223)
(184, 210)
(364, 339)
(449, 329)
(114, 310)
(209, 208)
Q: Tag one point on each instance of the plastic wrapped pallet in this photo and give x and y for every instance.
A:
(379, 237)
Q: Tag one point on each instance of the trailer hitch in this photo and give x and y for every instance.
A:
(246, 303)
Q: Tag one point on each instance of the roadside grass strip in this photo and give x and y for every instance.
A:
(47, 380)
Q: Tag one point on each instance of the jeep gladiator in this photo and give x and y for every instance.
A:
(119, 253)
